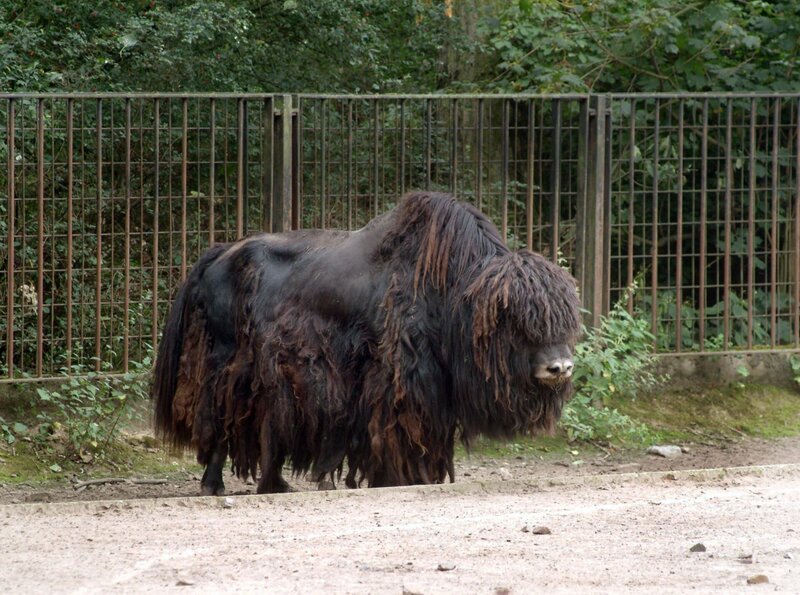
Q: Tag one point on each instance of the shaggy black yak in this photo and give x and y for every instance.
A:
(376, 347)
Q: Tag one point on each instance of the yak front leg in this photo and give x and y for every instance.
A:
(212, 484)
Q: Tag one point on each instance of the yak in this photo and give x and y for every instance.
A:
(375, 348)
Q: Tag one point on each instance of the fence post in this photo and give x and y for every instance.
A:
(283, 182)
(592, 258)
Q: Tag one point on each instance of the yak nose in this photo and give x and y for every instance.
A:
(560, 367)
(556, 370)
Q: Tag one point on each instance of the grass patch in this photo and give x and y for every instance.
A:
(127, 456)
(726, 412)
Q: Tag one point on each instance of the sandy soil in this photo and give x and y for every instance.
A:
(711, 454)
(619, 533)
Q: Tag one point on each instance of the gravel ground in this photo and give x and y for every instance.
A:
(608, 533)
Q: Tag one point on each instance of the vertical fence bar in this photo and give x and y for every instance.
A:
(70, 182)
(156, 172)
(555, 214)
(184, 182)
(11, 169)
(428, 142)
(127, 297)
(402, 146)
(99, 256)
(531, 177)
(375, 151)
(773, 307)
(654, 223)
(796, 305)
(454, 150)
(590, 225)
(40, 236)
(282, 192)
(212, 169)
(323, 199)
(479, 155)
(751, 222)
(267, 163)
(726, 273)
(631, 201)
(504, 181)
(240, 165)
(703, 229)
(349, 164)
(295, 140)
(679, 238)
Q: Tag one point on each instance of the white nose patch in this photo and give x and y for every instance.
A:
(558, 368)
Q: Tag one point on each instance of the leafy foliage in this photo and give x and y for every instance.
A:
(612, 361)
(244, 45)
(645, 45)
(87, 408)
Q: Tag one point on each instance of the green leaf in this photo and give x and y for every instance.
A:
(55, 468)
(20, 428)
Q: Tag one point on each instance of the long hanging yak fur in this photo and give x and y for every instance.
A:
(375, 348)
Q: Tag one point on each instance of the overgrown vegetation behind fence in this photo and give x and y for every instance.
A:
(106, 200)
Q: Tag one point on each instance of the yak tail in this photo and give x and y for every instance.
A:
(165, 376)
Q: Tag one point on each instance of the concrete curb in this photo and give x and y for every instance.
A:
(462, 488)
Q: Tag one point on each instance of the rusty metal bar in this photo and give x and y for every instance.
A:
(454, 150)
(728, 213)
(127, 298)
(504, 180)
(773, 316)
(156, 195)
(402, 146)
(751, 223)
(428, 149)
(529, 204)
(267, 163)
(703, 226)
(212, 170)
(654, 224)
(11, 133)
(99, 268)
(375, 163)
(297, 162)
(184, 183)
(296, 182)
(479, 155)
(240, 165)
(796, 304)
(679, 239)
(555, 176)
(631, 201)
(70, 182)
(323, 199)
(40, 235)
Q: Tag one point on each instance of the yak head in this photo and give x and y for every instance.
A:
(525, 320)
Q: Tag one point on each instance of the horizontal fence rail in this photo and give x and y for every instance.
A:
(106, 200)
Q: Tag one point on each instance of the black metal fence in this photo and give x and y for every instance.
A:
(106, 200)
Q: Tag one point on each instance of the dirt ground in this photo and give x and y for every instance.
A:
(525, 467)
(620, 533)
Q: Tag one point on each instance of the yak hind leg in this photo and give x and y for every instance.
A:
(212, 484)
(271, 463)
(271, 479)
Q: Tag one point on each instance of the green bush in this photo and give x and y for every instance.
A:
(86, 409)
(612, 361)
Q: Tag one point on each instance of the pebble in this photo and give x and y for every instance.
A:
(541, 530)
(697, 547)
(505, 474)
(228, 503)
(669, 451)
(757, 579)
(444, 567)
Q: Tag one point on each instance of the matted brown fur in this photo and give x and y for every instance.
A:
(374, 347)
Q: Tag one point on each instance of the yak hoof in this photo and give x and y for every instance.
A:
(212, 489)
